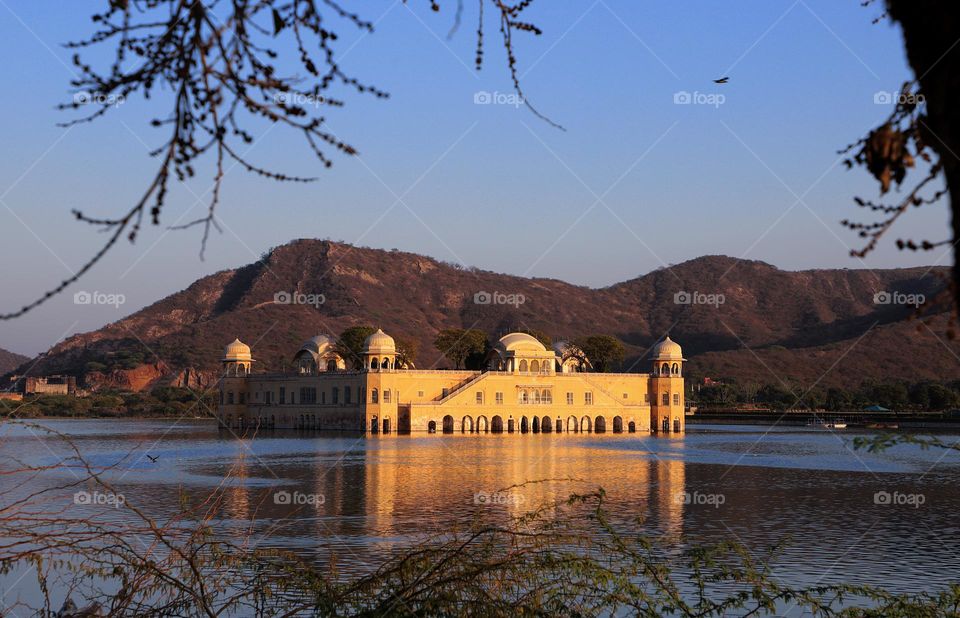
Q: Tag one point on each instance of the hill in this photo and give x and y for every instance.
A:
(736, 318)
(10, 360)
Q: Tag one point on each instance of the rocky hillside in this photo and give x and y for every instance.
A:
(10, 361)
(736, 318)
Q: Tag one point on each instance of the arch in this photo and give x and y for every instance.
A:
(432, 427)
(448, 424)
(572, 424)
(496, 424)
(332, 365)
(665, 369)
(523, 365)
(386, 425)
(524, 425)
(374, 425)
(585, 424)
(374, 396)
(524, 396)
(666, 424)
(676, 424)
(466, 424)
(482, 424)
(676, 369)
(510, 426)
(617, 424)
(632, 427)
(534, 366)
(536, 424)
(546, 425)
(599, 425)
(536, 396)
(385, 363)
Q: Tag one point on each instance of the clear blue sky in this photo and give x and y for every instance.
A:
(492, 186)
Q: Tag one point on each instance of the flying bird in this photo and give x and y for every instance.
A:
(722, 80)
(152, 458)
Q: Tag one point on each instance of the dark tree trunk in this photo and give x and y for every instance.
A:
(931, 32)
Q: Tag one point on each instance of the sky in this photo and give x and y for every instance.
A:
(449, 166)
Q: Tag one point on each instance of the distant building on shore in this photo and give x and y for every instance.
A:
(50, 385)
(524, 388)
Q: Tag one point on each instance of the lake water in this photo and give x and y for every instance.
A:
(888, 519)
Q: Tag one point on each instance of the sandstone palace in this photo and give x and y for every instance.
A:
(524, 388)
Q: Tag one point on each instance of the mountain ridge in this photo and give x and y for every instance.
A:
(712, 305)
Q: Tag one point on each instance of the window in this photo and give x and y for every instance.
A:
(524, 398)
(243, 398)
(569, 399)
(419, 393)
(624, 395)
(346, 394)
(258, 395)
(335, 396)
(323, 397)
(646, 398)
(523, 365)
(479, 397)
(676, 399)
(499, 398)
(308, 394)
(546, 397)
(374, 396)
(665, 400)
(293, 399)
(444, 393)
(588, 398)
(230, 397)
(386, 396)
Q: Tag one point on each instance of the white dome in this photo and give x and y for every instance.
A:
(514, 342)
(668, 349)
(379, 343)
(236, 351)
(318, 344)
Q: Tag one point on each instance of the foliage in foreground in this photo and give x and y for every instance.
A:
(567, 558)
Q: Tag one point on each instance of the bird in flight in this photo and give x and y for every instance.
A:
(152, 458)
(722, 80)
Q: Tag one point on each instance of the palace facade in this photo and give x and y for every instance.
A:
(524, 388)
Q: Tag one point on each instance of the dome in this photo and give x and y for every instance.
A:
(236, 351)
(318, 344)
(668, 349)
(520, 342)
(379, 343)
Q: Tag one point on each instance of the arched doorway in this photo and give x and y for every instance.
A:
(374, 425)
(546, 425)
(632, 427)
(482, 424)
(600, 425)
(572, 424)
(448, 424)
(496, 424)
(617, 424)
(676, 424)
(432, 427)
(536, 424)
(585, 423)
(666, 425)
(466, 424)
(524, 425)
